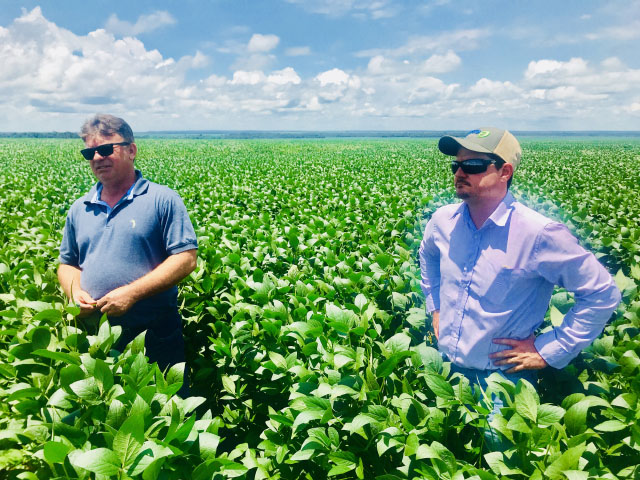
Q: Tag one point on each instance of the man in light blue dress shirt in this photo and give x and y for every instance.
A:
(489, 266)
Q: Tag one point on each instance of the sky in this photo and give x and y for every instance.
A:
(321, 64)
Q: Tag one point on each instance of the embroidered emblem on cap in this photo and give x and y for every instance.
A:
(472, 132)
(484, 133)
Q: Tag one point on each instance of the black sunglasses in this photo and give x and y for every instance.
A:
(474, 165)
(104, 150)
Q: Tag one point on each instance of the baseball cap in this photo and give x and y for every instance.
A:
(485, 140)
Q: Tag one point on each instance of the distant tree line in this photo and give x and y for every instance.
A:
(258, 134)
(38, 135)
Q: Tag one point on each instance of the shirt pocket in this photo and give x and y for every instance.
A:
(506, 282)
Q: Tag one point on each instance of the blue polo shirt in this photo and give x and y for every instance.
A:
(115, 246)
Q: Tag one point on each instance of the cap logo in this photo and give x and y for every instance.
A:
(484, 133)
(472, 132)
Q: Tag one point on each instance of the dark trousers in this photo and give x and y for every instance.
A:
(164, 343)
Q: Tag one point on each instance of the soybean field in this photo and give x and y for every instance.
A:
(309, 351)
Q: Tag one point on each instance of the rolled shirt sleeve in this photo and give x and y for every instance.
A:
(561, 260)
(69, 247)
(430, 269)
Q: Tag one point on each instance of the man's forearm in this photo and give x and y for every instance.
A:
(164, 276)
(69, 278)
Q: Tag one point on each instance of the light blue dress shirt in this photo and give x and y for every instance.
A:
(497, 281)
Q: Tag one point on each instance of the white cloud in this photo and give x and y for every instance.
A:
(48, 81)
(144, 24)
(298, 51)
(493, 89)
(199, 60)
(242, 77)
(549, 71)
(457, 40)
(284, 76)
(256, 61)
(442, 63)
(262, 43)
(613, 63)
(333, 77)
(375, 9)
(628, 31)
(378, 65)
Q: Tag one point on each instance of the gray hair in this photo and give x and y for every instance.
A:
(106, 125)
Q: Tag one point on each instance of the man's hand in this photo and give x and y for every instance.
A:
(83, 300)
(117, 302)
(522, 354)
(435, 323)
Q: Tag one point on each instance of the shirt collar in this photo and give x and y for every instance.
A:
(499, 216)
(139, 187)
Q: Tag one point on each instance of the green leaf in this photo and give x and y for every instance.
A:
(87, 389)
(228, 384)
(411, 445)
(116, 415)
(386, 367)
(611, 426)
(208, 443)
(344, 462)
(101, 461)
(399, 300)
(549, 414)
(439, 385)
(175, 374)
(400, 342)
(360, 301)
(556, 316)
(148, 460)
(278, 360)
(575, 418)
(59, 356)
(431, 358)
(518, 424)
(129, 439)
(71, 374)
(307, 416)
(567, 461)
(55, 452)
(576, 474)
(358, 422)
(527, 400)
(383, 260)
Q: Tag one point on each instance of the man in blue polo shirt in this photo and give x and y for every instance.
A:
(126, 244)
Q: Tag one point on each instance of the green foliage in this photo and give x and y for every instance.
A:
(308, 345)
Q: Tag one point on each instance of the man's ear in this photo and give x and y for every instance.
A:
(133, 149)
(507, 171)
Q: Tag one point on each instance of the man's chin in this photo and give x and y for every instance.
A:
(462, 195)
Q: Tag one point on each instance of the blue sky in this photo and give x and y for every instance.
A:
(321, 65)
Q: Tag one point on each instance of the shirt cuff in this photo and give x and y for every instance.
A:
(430, 304)
(551, 351)
(183, 248)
